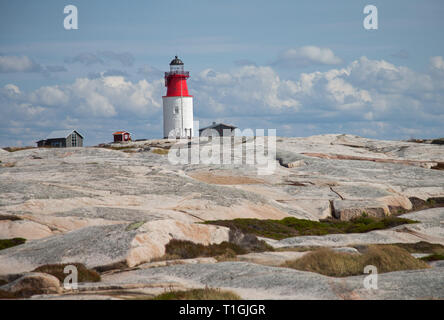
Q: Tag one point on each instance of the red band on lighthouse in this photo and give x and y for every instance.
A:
(176, 83)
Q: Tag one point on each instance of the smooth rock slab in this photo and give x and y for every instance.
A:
(23, 229)
(254, 281)
(262, 282)
(106, 245)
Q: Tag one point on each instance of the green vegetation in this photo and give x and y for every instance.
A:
(292, 227)
(385, 258)
(435, 250)
(198, 294)
(84, 274)
(433, 257)
(160, 151)
(10, 217)
(8, 243)
(438, 141)
(14, 149)
(422, 247)
(135, 225)
(180, 249)
(123, 147)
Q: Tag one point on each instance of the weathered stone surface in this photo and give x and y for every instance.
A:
(253, 281)
(106, 245)
(80, 201)
(23, 229)
(348, 209)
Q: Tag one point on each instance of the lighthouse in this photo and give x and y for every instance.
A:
(178, 103)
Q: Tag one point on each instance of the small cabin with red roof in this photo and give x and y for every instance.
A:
(121, 136)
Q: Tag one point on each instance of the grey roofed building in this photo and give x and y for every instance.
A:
(62, 139)
(219, 128)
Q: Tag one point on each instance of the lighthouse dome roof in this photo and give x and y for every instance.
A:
(176, 61)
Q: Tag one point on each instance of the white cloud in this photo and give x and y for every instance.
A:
(308, 55)
(242, 91)
(50, 96)
(18, 64)
(437, 62)
(367, 97)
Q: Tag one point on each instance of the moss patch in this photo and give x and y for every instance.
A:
(84, 274)
(123, 147)
(9, 217)
(433, 257)
(8, 243)
(293, 227)
(385, 258)
(160, 151)
(421, 247)
(14, 149)
(182, 249)
(135, 225)
(198, 294)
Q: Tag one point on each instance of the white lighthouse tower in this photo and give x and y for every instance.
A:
(177, 104)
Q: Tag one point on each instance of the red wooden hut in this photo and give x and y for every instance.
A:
(120, 136)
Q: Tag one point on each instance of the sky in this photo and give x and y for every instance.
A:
(300, 67)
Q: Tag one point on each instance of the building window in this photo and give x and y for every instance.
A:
(73, 140)
(176, 110)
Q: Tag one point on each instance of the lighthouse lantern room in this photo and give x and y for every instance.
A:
(178, 103)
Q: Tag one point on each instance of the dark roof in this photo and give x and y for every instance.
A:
(61, 134)
(176, 62)
(214, 125)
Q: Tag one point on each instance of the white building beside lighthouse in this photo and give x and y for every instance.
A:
(177, 104)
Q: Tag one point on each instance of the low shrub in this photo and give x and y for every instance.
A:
(160, 151)
(8, 243)
(181, 249)
(438, 141)
(10, 217)
(7, 295)
(385, 258)
(433, 257)
(198, 294)
(84, 274)
(14, 149)
(422, 247)
(122, 147)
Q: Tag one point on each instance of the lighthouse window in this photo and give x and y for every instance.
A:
(176, 110)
